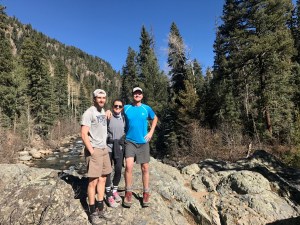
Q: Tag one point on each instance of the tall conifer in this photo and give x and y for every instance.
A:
(7, 81)
(153, 82)
(39, 85)
(183, 97)
(253, 67)
(61, 87)
(129, 76)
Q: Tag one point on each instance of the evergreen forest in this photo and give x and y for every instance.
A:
(248, 100)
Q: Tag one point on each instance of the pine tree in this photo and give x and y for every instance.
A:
(153, 82)
(61, 87)
(39, 86)
(129, 76)
(183, 95)
(252, 67)
(295, 27)
(7, 82)
(295, 80)
(18, 75)
(176, 59)
(199, 78)
(84, 102)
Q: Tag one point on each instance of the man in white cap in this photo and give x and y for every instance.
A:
(137, 140)
(94, 135)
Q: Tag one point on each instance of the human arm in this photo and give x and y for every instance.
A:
(85, 138)
(153, 125)
(108, 114)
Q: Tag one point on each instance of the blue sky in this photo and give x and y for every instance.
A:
(106, 28)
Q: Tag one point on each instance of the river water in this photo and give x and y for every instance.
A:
(70, 160)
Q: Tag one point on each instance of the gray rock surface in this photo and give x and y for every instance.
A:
(257, 190)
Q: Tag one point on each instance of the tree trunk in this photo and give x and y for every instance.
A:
(268, 121)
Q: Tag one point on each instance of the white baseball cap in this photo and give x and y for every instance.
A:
(97, 92)
(137, 89)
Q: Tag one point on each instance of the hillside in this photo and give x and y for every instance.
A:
(82, 67)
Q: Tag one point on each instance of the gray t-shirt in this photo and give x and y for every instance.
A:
(97, 123)
(116, 128)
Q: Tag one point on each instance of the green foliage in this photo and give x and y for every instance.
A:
(292, 158)
(84, 101)
(153, 82)
(39, 86)
(252, 72)
(7, 81)
(176, 59)
(129, 76)
(186, 114)
(186, 78)
(60, 87)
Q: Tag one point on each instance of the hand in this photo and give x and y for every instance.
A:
(148, 137)
(92, 151)
(108, 114)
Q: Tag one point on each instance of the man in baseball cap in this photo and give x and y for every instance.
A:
(137, 147)
(94, 135)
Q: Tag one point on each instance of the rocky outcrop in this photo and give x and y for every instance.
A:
(257, 190)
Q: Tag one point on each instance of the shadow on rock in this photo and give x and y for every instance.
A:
(290, 221)
(288, 179)
(79, 186)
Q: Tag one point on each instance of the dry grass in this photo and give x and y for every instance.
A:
(225, 144)
(10, 144)
(64, 128)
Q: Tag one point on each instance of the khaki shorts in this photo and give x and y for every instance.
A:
(98, 164)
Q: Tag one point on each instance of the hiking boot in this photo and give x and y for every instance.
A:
(128, 199)
(111, 202)
(117, 197)
(102, 214)
(95, 220)
(146, 201)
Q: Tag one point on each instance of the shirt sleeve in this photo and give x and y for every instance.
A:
(86, 119)
(151, 113)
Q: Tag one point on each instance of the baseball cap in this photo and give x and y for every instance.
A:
(137, 89)
(98, 92)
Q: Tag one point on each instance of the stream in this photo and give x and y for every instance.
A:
(71, 160)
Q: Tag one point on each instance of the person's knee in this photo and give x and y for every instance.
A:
(129, 162)
(129, 168)
(145, 168)
(102, 180)
(93, 182)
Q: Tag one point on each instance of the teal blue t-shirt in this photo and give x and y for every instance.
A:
(137, 122)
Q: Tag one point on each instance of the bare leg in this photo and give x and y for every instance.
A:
(145, 175)
(101, 187)
(92, 190)
(128, 172)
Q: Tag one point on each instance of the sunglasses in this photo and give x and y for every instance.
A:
(118, 106)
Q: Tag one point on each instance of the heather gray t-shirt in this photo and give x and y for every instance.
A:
(97, 123)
